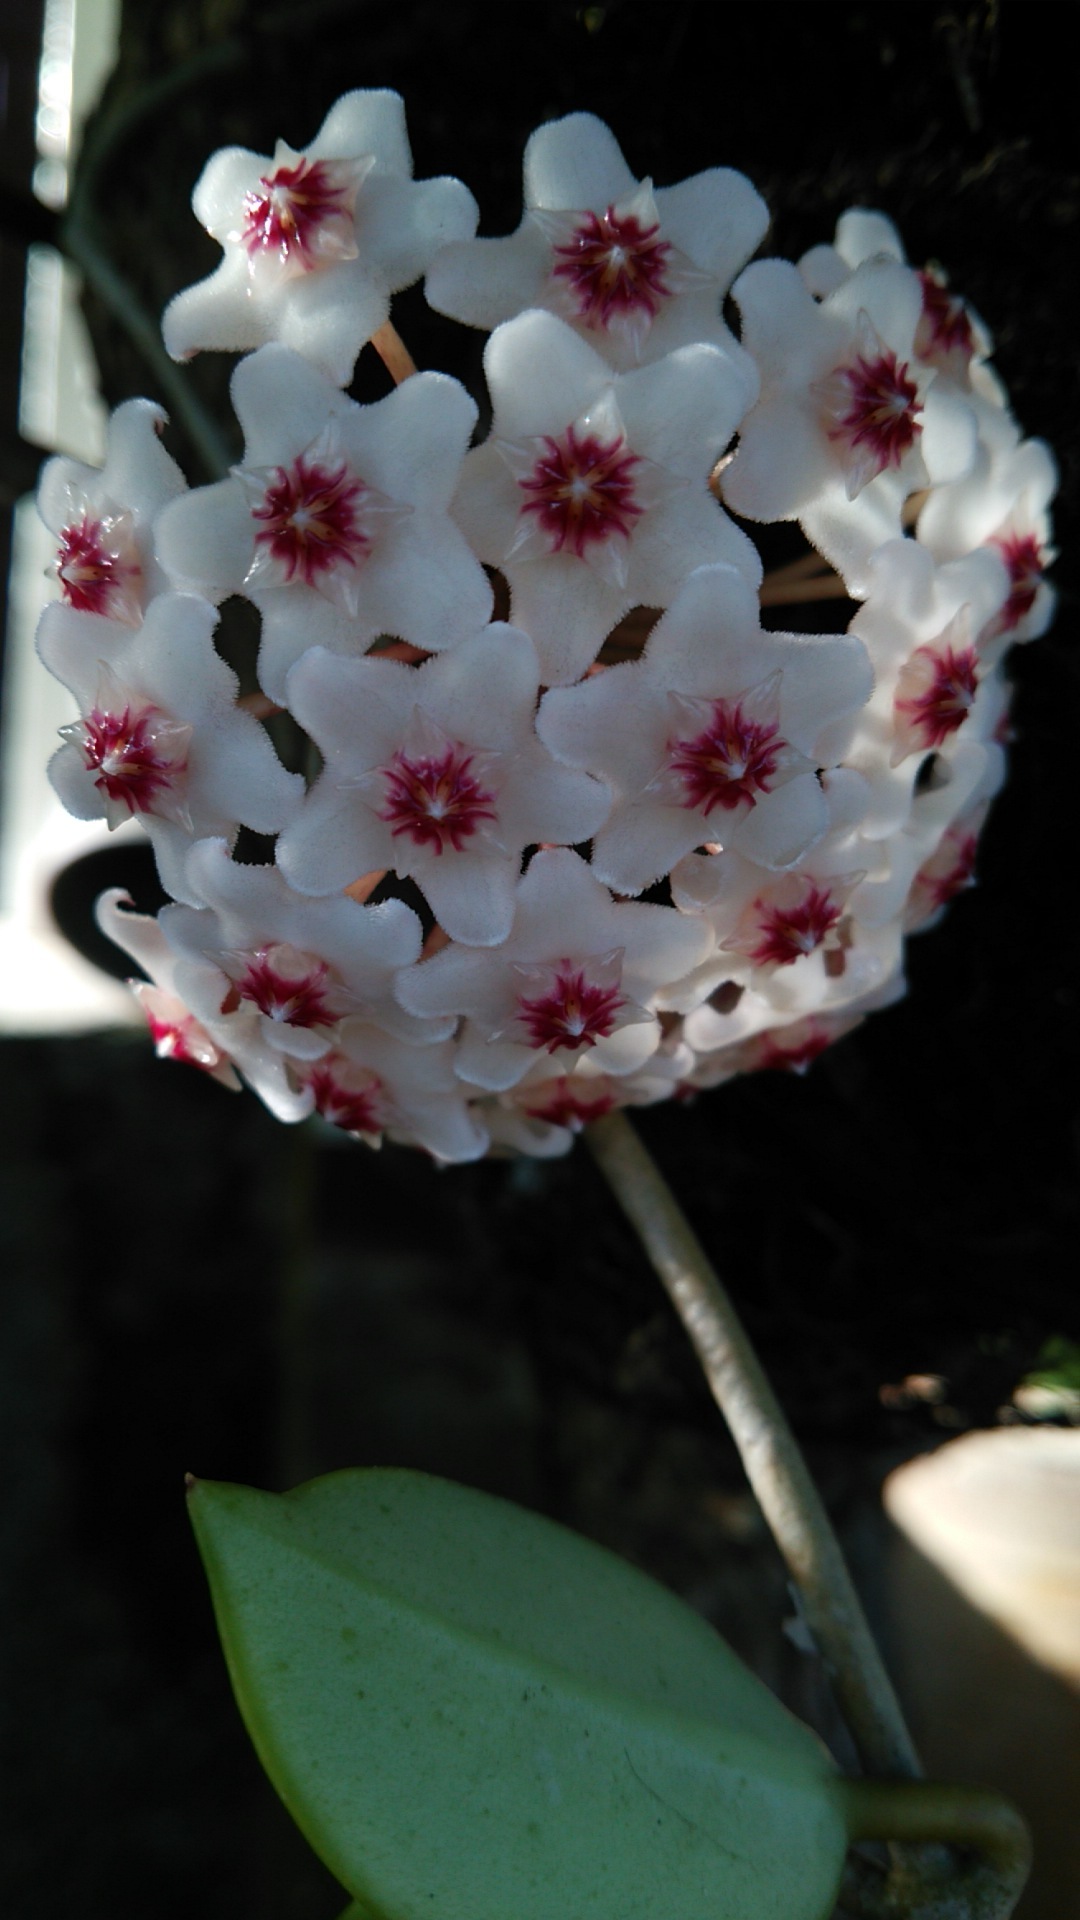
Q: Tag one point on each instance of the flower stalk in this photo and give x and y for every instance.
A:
(922, 1882)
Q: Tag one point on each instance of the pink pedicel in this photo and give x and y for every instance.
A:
(581, 491)
(944, 337)
(138, 756)
(568, 1103)
(288, 986)
(438, 799)
(870, 409)
(300, 215)
(312, 522)
(580, 1003)
(736, 755)
(935, 692)
(797, 917)
(614, 266)
(1025, 560)
(98, 567)
(347, 1096)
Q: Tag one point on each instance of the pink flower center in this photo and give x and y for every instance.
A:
(730, 762)
(1025, 560)
(793, 1049)
(948, 871)
(944, 332)
(574, 1012)
(313, 520)
(286, 985)
(783, 933)
(348, 1097)
(935, 692)
(292, 209)
(614, 265)
(438, 799)
(581, 491)
(138, 756)
(874, 410)
(564, 1103)
(98, 569)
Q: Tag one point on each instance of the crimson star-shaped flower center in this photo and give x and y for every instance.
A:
(294, 988)
(1025, 560)
(934, 693)
(348, 1097)
(567, 1103)
(613, 265)
(869, 408)
(293, 210)
(98, 567)
(944, 332)
(438, 799)
(577, 1007)
(138, 755)
(312, 519)
(581, 491)
(880, 417)
(784, 930)
(733, 759)
(948, 871)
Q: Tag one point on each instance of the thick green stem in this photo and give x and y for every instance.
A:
(984, 1886)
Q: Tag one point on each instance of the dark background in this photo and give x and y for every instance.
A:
(188, 1285)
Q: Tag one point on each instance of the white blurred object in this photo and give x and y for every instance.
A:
(999, 1514)
(45, 986)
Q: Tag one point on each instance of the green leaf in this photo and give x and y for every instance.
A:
(475, 1715)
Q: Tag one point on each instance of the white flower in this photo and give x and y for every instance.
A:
(336, 523)
(636, 271)
(1003, 504)
(715, 735)
(174, 1030)
(592, 494)
(924, 628)
(160, 736)
(849, 424)
(435, 773)
(315, 242)
(104, 520)
(293, 968)
(375, 1085)
(577, 972)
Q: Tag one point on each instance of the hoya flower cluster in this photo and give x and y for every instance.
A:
(625, 841)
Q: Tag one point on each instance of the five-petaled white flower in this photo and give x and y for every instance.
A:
(315, 242)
